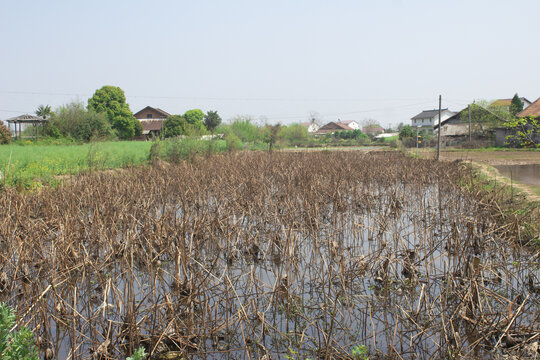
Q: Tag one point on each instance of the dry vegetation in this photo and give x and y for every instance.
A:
(270, 256)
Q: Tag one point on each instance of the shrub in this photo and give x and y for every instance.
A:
(20, 344)
(5, 134)
(294, 134)
(245, 130)
(139, 354)
(155, 151)
(73, 120)
(233, 142)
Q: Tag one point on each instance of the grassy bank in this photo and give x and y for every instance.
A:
(26, 166)
(22, 164)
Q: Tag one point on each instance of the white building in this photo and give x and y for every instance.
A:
(311, 126)
(352, 124)
(429, 118)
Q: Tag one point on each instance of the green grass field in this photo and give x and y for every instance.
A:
(22, 164)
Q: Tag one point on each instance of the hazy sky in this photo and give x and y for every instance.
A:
(273, 60)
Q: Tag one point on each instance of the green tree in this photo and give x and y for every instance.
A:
(194, 116)
(233, 142)
(406, 132)
(294, 134)
(5, 134)
(484, 116)
(271, 135)
(212, 121)
(44, 111)
(111, 100)
(516, 105)
(246, 131)
(73, 120)
(526, 132)
(175, 125)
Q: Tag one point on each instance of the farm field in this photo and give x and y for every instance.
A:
(253, 255)
(23, 163)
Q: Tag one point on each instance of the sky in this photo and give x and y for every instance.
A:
(275, 61)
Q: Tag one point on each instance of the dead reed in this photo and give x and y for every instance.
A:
(256, 255)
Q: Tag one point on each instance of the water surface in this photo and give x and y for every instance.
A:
(526, 174)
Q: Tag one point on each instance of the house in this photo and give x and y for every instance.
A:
(311, 126)
(532, 111)
(505, 103)
(151, 120)
(453, 132)
(151, 113)
(151, 128)
(373, 129)
(428, 118)
(332, 127)
(352, 124)
(455, 129)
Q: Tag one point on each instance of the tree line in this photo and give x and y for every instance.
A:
(108, 116)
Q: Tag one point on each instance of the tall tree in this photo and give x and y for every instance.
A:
(44, 111)
(212, 121)
(271, 135)
(194, 116)
(112, 101)
(194, 119)
(175, 125)
(516, 105)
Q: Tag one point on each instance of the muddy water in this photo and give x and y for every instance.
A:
(526, 174)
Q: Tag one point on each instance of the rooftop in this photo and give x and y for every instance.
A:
(427, 114)
(532, 110)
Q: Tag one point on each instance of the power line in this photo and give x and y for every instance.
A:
(218, 98)
(289, 117)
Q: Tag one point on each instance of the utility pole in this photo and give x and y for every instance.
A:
(470, 138)
(439, 133)
(417, 140)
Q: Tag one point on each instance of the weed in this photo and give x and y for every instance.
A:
(18, 345)
(139, 354)
(360, 352)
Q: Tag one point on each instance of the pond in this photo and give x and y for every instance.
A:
(526, 174)
(254, 255)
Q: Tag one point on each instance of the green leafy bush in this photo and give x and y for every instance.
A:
(139, 354)
(233, 142)
(20, 344)
(74, 121)
(245, 130)
(5, 134)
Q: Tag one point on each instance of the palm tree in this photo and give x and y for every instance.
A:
(44, 111)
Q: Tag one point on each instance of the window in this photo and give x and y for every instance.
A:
(148, 116)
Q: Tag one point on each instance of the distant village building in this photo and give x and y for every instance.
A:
(332, 127)
(151, 120)
(311, 126)
(428, 118)
(532, 111)
(505, 103)
(454, 130)
(352, 124)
